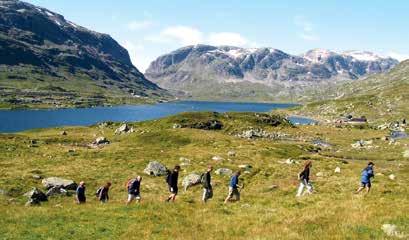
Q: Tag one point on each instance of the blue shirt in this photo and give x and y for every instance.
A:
(367, 174)
(234, 181)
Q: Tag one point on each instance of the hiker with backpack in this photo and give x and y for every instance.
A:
(207, 184)
(134, 190)
(80, 193)
(172, 181)
(234, 187)
(366, 176)
(102, 193)
(304, 178)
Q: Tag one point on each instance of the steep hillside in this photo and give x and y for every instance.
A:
(208, 72)
(381, 97)
(48, 60)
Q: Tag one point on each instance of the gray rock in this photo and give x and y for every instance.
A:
(36, 195)
(155, 168)
(406, 154)
(124, 128)
(101, 140)
(59, 182)
(217, 158)
(176, 125)
(391, 230)
(245, 167)
(36, 176)
(56, 191)
(191, 180)
(3, 192)
(224, 171)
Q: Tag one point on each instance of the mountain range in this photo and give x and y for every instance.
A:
(210, 72)
(45, 59)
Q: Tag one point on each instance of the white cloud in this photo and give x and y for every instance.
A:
(185, 35)
(399, 56)
(306, 31)
(139, 25)
(227, 38)
(182, 34)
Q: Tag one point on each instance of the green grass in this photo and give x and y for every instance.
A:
(333, 212)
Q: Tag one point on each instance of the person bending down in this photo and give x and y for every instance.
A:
(366, 176)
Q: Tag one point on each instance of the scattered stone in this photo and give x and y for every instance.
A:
(175, 125)
(37, 177)
(406, 154)
(56, 191)
(392, 177)
(321, 143)
(260, 133)
(399, 135)
(3, 192)
(224, 171)
(289, 161)
(231, 153)
(391, 230)
(59, 182)
(101, 140)
(124, 128)
(320, 174)
(217, 158)
(337, 170)
(155, 168)
(184, 161)
(245, 167)
(191, 180)
(361, 144)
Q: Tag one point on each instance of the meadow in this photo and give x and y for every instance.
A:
(268, 208)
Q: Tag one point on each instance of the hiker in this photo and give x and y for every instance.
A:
(366, 176)
(234, 187)
(134, 187)
(102, 192)
(207, 184)
(304, 178)
(172, 180)
(80, 193)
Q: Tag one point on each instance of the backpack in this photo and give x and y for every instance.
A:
(202, 179)
(98, 192)
(129, 183)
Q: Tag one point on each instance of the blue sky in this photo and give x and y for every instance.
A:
(149, 29)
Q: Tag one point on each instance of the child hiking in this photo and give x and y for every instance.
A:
(234, 188)
(304, 178)
(172, 180)
(134, 190)
(366, 176)
(207, 184)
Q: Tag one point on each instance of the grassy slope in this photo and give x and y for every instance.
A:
(380, 98)
(26, 84)
(334, 212)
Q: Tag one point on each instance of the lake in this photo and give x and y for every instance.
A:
(20, 120)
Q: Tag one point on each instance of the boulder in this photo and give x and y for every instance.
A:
(56, 191)
(36, 176)
(101, 140)
(176, 126)
(184, 161)
(392, 177)
(60, 183)
(191, 180)
(155, 168)
(124, 128)
(337, 170)
(224, 171)
(36, 195)
(289, 161)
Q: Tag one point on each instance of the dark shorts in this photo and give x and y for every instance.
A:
(366, 184)
(82, 199)
(173, 190)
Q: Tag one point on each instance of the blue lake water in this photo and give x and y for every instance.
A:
(20, 120)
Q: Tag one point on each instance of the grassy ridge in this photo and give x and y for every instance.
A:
(334, 212)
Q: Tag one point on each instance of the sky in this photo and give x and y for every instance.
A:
(148, 29)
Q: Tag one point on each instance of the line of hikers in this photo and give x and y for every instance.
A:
(133, 186)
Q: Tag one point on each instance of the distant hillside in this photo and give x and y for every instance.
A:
(209, 72)
(381, 97)
(46, 60)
